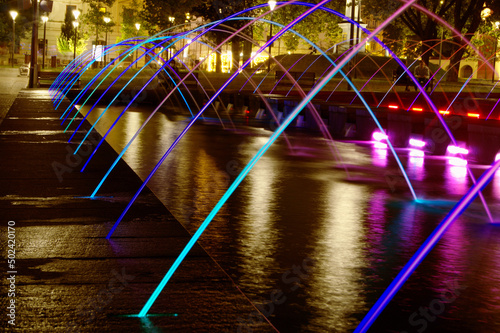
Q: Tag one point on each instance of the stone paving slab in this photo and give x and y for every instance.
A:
(69, 278)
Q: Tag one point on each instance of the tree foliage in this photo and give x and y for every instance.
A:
(66, 40)
(155, 13)
(66, 46)
(22, 26)
(320, 27)
(94, 17)
(130, 17)
(463, 15)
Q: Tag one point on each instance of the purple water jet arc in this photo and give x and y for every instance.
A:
(426, 247)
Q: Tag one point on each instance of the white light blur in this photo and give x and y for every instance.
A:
(380, 145)
(416, 153)
(457, 161)
(378, 136)
(417, 143)
(457, 150)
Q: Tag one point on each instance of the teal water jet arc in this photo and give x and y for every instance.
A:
(254, 160)
(450, 218)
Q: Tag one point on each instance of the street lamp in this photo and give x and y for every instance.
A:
(171, 19)
(137, 27)
(271, 4)
(106, 20)
(76, 13)
(13, 14)
(497, 24)
(45, 18)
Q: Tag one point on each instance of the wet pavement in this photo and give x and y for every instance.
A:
(10, 84)
(64, 276)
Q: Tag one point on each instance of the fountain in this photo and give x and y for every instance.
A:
(62, 86)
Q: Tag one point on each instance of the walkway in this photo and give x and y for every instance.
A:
(67, 277)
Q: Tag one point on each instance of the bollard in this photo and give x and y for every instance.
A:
(484, 141)
(435, 136)
(337, 118)
(365, 125)
(399, 129)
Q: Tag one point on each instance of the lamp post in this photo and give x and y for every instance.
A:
(45, 18)
(76, 13)
(13, 14)
(106, 21)
(497, 25)
(75, 25)
(171, 19)
(137, 27)
(271, 4)
(441, 42)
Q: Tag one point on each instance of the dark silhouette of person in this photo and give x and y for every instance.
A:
(423, 74)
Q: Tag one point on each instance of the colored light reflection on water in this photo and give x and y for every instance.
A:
(298, 205)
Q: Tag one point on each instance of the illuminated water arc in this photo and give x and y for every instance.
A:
(113, 63)
(328, 68)
(120, 115)
(65, 82)
(400, 165)
(494, 106)
(106, 90)
(306, 5)
(375, 73)
(86, 88)
(112, 101)
(107, 49)
(123, 58)
(426, 96)
(61, 77)
(420, 93)
(250, 77)
(58, 81)
(83, 65)
(112, 126)
(123, 43)
(165, 63)
(181, 135)
(456, 32)
(201, 111)
(124, 55)
(469, 171)
(244, 172)
(425, 248)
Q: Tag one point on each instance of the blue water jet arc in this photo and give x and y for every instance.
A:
(254, 160)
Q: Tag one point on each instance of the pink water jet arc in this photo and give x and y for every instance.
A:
(386, 117)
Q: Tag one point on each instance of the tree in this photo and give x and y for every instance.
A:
(156, 13)
(320, 27)
(95, 16)
(311, 27)
(463, 15)
(216, 10)
(66, 40)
